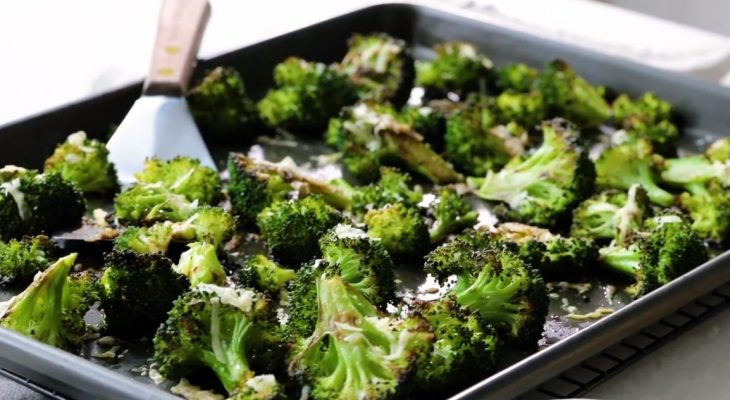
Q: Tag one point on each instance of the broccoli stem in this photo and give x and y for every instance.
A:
(625, 261)
(421, 158)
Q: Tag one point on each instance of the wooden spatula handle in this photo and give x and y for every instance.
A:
(179, 34)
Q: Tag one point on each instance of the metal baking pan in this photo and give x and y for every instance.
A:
(702, 105)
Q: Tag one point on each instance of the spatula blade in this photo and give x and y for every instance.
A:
(159, 126)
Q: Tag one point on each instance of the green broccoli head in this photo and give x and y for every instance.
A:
(145, 240)
(667, 249)
(146, 203)
(451, 214)
(208, 224)
(302, 298)
(543, 188)
(380, 67)
(569, 95)
(85, 162)
(400, 229)
(20, 260)
(649, 108)
(292, 228)
(361, 261)
(224, 330)
(137, 291)
(221, 107)
(465, 348)
(663, 135)
(517, 77)
(632, 163)
(45, 310)
(307, 94)
(612, 214)
(475, 143)
(694, 170)
(524, 109)
(709, 207)
(393, 187)
(263, 274)
(82, 291)
(428, 121)
(370, 136)
(458, 67)
(184, 176)
(355, 351)
(719, 150)
(200, 265)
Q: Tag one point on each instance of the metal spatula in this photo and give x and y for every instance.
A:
(159, 123)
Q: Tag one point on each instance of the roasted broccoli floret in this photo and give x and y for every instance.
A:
(464, 349)
(85, 162)
(208, 224)
(401, 230)
(362, 261)
(612, 214)
(631, 163)
(694, 170)
(719, 150)
(184, 176)
(20, 260)
(393, 187)
(543, 188)
(663, 136)
(380, 67)
(221, 107)
(428, 121)
(648, 108)
(498, 285)
(666, 250)
(370, 136)
(458, 67)
(524, 109)
(709, 207)
(306, 95)
(302, 298)
(200, 265)
(263, 274)
(149, 203)
(137, 291)
(356, 351)
(292, 228)
(451, 214)
(47, 309)
(568, 95)
(517, 77)
(224, 330)
(34, 203)
(254, 185)
(475, 143)
(145, 240)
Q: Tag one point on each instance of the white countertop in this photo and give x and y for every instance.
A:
(54, 52)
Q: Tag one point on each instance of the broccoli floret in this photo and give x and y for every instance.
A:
(149, 203)
(611, 214)
(82, 291)
(719, 150)
(709, 207)
(401, 230)
(263, 274)
(667, 250)
(524, 109)
(137, 291)
(648, 108)
(393, 187)
(498, 285)
(85, 162)
(464, 348)
(458, 67)
(292, 228)
(221, 107)
(356, 351)
(694, 170)
(363, 262)
(631, 163)
(543, 188)
(302, 298)
(517, 77)
(20, 260)
(370, 136)
(224, 330)
(36, 203)
(380, 67)
(663, 135)
(208, 224)
(145, 240)
(307, 94)
(568, 95)
(475, 143)
(254, 185)
(185, 176)
(428, 121)
(200, 265)
(451, 214)
(45, 310)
